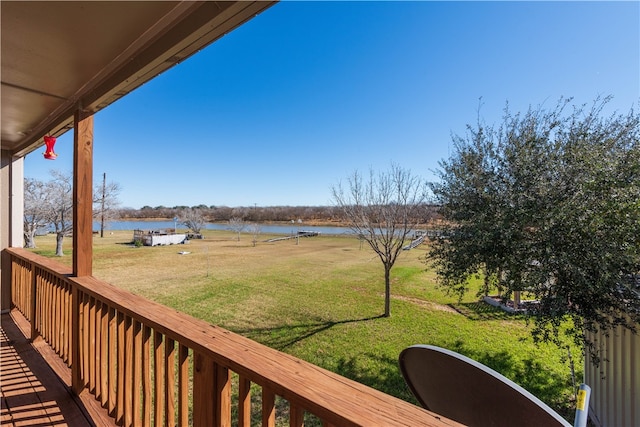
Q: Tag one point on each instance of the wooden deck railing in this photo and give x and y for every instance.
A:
(149, 365)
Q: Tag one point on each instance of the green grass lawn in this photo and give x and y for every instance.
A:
(322, 299)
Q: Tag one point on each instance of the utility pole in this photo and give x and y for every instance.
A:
(104, 190)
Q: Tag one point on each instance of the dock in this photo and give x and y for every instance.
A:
(419, 237)
(301, 233)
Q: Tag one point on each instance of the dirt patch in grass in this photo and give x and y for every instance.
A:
(426, 304)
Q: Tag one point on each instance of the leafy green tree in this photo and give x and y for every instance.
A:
(383, 210)
(548, 203)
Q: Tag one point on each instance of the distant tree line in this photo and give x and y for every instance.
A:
(324, 214)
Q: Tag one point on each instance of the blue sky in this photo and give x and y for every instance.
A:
(282, 108)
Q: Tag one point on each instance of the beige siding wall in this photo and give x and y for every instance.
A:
(11, 217)
(615, 384)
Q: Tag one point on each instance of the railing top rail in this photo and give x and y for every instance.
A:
(334, 398)
(45, 263)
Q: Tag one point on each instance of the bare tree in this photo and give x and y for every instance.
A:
(105, 201)
(51, 204)
(255, 231)
(383, 210)
(237, 224)
(58, 206)
(35, 213)
(193, 219)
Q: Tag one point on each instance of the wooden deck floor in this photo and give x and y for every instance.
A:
(32, 392)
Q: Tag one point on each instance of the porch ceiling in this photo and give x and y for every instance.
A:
(60, 56)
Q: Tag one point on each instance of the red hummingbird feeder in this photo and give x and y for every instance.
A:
(50, 141)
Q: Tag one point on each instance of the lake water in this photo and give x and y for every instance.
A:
(285, 229)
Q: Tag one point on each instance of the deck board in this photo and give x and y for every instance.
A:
(31, 392)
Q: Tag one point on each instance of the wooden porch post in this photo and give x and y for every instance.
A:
(82, 230)
(82, 194)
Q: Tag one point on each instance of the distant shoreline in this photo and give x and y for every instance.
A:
(319, 223)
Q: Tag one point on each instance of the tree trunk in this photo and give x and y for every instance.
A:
(29, 241)
(387, 291)
(59, 237)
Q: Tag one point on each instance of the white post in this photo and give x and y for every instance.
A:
(11, 217)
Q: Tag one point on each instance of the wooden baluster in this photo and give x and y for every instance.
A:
(51, 309)
(43, 306)
(53, 337)
(15, 279)
(66, 323)
(104, 355)
(158, 375)
(137, 372)
(32, 304)
(97, 353)
(86, 366)
(244, 402)
(169, 382)
(24, 289)
(120, 402)
(57, 316)
(62, 310)
(22, 294)
(113, 362)
(203, 390)
(268, 408)
(70, 326)
(128, 372)
(223, 395)
(183, 385)
(146, 377)
(92, 345)
(76, 341)
(37, 302)
(46, 327)
(296, 416)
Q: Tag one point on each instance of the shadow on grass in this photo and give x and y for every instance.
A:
(387, 378)
(480, 310)
(282, 337)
